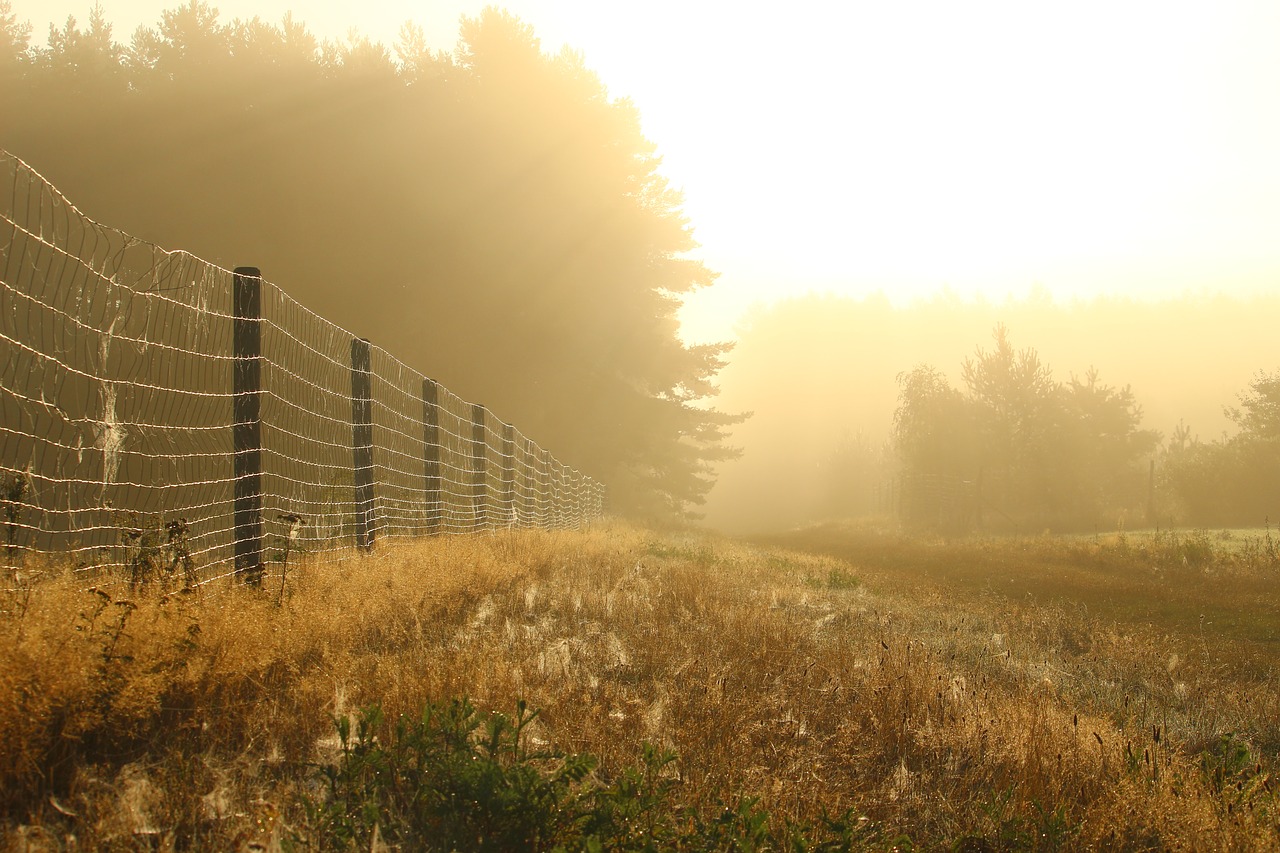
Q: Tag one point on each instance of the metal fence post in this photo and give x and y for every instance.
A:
(528, 490)
(511, 518)
(545, 496)
(554, 474)
(246, 419)
(431, 455)
(362, 440)
(479, 463)
(579, 505)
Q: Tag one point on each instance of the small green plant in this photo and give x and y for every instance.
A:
(1044, 828)
(451, 779)
(455, 779)
(841, 579)
(835, 579)
(1226, 760)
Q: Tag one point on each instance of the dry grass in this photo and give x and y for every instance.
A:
(942, 712)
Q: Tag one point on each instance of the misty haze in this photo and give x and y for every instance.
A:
(572, 426)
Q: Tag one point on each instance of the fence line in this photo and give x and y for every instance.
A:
(158, 412)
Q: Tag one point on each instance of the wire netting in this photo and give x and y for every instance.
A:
(117, 401)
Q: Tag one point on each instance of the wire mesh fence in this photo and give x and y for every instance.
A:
(160, 415)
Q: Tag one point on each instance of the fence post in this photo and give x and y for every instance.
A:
(544, 487)
(478, 465)
(566, 496)
(528, 480)
(580, 498)
(521, 464)
(575, 498)
(509, 476)
(431, 455)
(246, 429)
(542, 483)
(556, 474)
(553, 494)
(362, 440)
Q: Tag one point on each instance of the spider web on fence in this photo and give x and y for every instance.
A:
(113, 395)
(116, 439)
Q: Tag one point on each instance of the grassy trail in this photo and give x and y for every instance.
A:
(1190, 586)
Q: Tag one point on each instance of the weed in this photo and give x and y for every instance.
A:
(155, 551)
(103, 625)
(14, 486)
(455, 779)
(180, 553)
(451, 779)
(1226, 759)
(295, 524)
(842, 579)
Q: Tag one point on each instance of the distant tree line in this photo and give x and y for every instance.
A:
(1016, 447)
(1030, 448)
(1236, 479)
(491, 215)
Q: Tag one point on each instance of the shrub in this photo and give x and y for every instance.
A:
(455, 779)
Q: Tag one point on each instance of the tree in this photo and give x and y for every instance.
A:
(80, 62)
(496, 219)
(14, 37)
(1235, 480)
(1017, 398)
(419, 63)
(595, 260)
(1104, 445)
(1030, 447)
(14, 56)
(192, 41)
(1258, 414)
(934, 429)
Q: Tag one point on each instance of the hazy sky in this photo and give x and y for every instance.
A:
(987, 147)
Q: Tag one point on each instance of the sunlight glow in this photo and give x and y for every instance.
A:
(988, 147)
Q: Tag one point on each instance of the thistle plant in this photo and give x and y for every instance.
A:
(295, 523)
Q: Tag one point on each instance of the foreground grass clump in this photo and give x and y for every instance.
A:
(693, 694)
(452, 780)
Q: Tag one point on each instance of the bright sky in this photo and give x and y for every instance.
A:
(906, 146)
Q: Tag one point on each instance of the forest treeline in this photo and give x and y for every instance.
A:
(491, 216)
(1016, 439)
(1020, 415)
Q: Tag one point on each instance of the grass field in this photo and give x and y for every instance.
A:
(841, 686)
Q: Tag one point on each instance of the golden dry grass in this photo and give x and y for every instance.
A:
(942, 715)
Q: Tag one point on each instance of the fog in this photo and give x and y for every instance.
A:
(817, 371)
(499, 220)
(490, 216)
